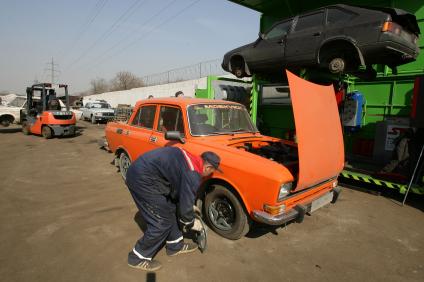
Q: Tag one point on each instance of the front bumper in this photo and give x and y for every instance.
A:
(297, 213)
(63, 130)
(104, 118)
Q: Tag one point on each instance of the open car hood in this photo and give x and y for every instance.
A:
(318, 131)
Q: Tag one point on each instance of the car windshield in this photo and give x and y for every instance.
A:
(17, 102)
(101, 106)
(212, 119)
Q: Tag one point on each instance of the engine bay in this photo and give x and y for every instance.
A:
(275, 151)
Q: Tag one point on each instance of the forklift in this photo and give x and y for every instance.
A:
(44, 115)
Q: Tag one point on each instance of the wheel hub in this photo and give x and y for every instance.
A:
(222, 214)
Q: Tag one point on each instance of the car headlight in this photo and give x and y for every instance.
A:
(98, 114)
(285, 189)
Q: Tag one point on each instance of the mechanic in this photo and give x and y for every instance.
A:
(163, 184)
(179, 94)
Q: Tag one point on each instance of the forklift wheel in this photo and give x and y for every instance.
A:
(25, 128)
(46, 132)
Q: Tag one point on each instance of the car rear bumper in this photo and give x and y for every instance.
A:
(298, 212)
(63, 130)
(390, 52)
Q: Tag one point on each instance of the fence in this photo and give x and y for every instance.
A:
(212, 67)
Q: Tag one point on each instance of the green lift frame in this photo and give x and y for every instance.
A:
(388, 95)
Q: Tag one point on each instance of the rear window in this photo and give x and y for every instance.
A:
(336, 15)
(310, 21)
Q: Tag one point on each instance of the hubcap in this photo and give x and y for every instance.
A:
(222, 214)
(125, 164)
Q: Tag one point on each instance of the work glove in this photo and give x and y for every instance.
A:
(197, 225)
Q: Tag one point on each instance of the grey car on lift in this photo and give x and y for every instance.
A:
(340, 38)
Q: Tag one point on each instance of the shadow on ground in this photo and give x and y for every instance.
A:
(10, 130)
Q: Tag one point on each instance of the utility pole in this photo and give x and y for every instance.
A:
(52, 68)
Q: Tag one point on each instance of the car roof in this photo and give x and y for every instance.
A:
(183, 102)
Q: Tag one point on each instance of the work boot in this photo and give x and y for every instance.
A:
(186, 248)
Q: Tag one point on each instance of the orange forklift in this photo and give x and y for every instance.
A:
(44, 114)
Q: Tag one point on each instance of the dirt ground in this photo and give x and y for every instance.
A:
(65, 215)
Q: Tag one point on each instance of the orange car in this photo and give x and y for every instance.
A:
(264, 179)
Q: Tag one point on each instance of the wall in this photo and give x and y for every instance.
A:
(133, 95)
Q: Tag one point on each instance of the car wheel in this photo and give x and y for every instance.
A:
(124, 164)
(224, 213)
(337, 65)
(46, 132)
(25, 128)
(5, 122)
(93, 120)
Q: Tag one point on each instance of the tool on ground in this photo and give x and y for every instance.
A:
(200, 237)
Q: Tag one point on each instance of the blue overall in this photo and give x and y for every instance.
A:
(159, 181)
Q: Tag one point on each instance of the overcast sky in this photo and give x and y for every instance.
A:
(97, 38)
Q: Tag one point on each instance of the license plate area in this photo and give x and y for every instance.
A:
(320, 202)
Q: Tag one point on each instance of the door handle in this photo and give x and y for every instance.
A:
(317, 33)
(153, 139)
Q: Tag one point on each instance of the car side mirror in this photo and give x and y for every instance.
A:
(174, 135)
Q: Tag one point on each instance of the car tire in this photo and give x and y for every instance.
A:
(46, 132)
(225, 214)
(25, 128)
(5, 122)
(124, 164)
(93, 119)
(337, 65)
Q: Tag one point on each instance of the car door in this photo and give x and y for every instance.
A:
(170, 119)
(85, 110)
(303, 42)
(268, 51)
(136, 136)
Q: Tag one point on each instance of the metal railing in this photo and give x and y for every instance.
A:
(212, 67)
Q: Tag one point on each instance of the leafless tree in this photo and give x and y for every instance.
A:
(99, 85)
(125, 80)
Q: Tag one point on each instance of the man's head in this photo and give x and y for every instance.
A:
(179, 94)
(210, 163)
(150, 97)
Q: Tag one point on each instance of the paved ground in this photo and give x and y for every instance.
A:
(65, 215)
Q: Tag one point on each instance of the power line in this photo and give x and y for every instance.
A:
(100, 4)
(122, 41)
(184, 9)
(124, 17)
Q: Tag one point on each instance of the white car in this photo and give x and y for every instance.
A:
(96, 111)
(11, 112)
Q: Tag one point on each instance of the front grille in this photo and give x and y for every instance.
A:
(108, 114)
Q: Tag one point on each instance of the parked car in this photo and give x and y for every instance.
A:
(96, 111)
(10, 113)
(264, 179)
(339, 37)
